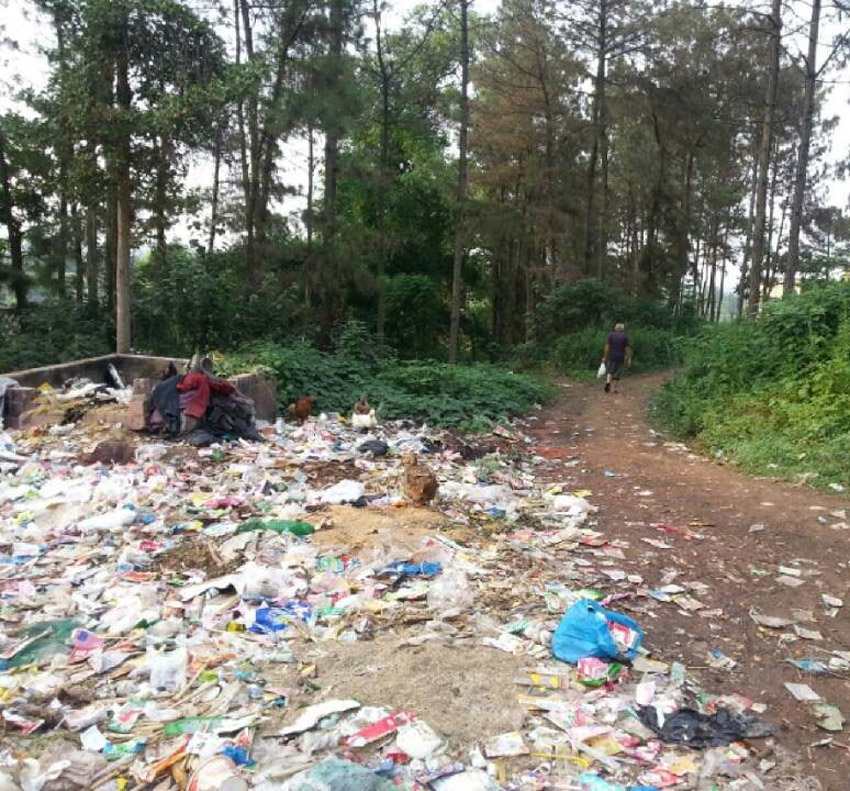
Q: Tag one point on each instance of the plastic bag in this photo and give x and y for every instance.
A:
(450, 592)
(603, 369)
(590, 630)
(167, 670)
(111, 520)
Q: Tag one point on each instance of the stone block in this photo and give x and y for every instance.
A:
(144, 387)
(130, 416)
(261, 389)
(17, 401)
(134, 414)
(31, 419)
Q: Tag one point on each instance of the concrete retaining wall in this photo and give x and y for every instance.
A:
(141, 371)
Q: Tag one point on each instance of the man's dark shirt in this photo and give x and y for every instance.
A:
(618, 342)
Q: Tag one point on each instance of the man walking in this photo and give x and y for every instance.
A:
(617, 356)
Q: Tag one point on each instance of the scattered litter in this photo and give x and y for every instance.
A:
(828, 716)
(590, 630)
(695, 729)
(505, 745)
(813, 666)
(771, 621)
(802, 691)
(807, 634)
(174, 609)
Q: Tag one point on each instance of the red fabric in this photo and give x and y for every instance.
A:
(203, 386)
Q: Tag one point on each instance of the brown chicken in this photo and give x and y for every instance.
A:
(110, 451)
(418, 482)
(302, 408)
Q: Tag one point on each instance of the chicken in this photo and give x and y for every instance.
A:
(110, 451)
(363, 416)
(302, 408)
(418, 482)
(363, 421)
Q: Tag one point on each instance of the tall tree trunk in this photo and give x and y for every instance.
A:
(462, 184)
(79, 266)
(61, 248)
(215, 189)
(238, 9)
(311, 170)
(123, 194)
(598, 121)
(13, 227)
(111, 242)
(602, 242)
(767, 277)
(91, 257)
(64, 152)
(326, 277)
(160, 218)
(722, 274)
(308, 220)
(683, 236)
(792, 263)
(712, 293)
(383, 184)
(765, 150)
(111, 234)
(748, 243)
(266, 146)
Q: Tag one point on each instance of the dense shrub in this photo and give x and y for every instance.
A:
(575, 319)
(49, 333)
(580, 352)
(575, 306)
(774, 394)
(201, 302)
(468, 396)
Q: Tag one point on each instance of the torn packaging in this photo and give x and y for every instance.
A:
(182, 403)
(693, 729)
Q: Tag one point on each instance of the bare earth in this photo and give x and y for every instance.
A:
(655, 483)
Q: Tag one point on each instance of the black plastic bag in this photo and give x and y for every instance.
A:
(693, 729)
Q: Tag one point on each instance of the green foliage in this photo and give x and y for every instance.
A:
(51, 333)
(580, 352)
(572, 307)
(192, 301)
(417, 315)
(773, 395)
(575, 319)
(440, 394)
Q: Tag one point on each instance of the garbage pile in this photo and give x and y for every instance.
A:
(201, 407)
(190, 619)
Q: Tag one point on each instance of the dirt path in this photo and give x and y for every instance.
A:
(751, 526)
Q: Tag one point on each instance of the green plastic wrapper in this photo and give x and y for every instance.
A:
(52, 638)
(278, 526)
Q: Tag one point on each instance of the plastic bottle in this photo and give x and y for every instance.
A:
(278, 526)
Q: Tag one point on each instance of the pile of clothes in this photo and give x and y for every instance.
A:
(201, 408)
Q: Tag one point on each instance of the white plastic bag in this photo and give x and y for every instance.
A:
(603, 369)
(451, 591)
(167, 670)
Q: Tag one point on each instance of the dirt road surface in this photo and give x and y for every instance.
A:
(750, 527)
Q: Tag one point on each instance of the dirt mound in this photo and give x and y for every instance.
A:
(193, 553)
(465, 692)
(361, 528)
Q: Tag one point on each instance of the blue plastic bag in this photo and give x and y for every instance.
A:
(426, 569)
(591, 782)
(584, 631)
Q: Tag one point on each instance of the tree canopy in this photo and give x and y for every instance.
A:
(209, 173)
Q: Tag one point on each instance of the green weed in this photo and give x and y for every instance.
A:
(773, 395)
